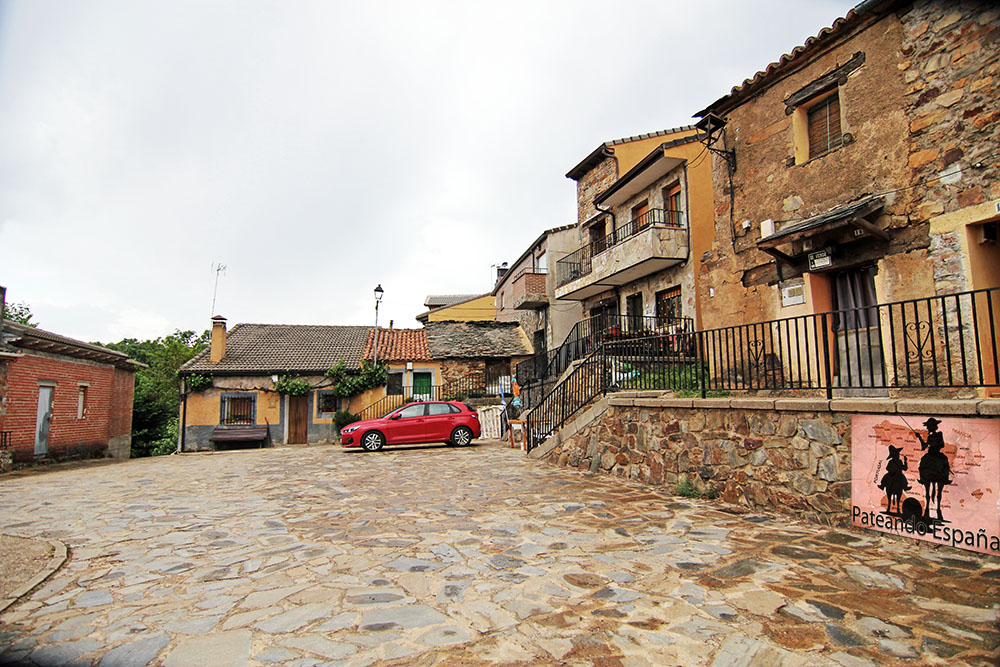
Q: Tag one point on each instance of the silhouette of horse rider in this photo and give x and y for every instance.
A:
(894, 481)
(934, 469)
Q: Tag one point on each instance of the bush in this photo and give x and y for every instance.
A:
(685, 379)
(292, 386)
(685, 488)
(168, 443)
(198, 382)
(342, 418)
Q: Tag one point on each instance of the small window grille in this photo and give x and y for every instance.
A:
(237, 409)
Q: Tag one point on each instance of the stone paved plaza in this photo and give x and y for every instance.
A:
(435, 555)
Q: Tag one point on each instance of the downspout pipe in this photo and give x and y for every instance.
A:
(184, 415)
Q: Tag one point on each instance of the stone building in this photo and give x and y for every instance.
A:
(474, 349)
(859, 169)
(525, 293)
(645, 215)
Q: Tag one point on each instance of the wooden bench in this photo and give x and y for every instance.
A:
(230, 436)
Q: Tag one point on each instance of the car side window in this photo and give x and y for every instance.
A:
(412, 411)
(440, 409)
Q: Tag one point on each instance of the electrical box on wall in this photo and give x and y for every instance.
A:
(766, 228)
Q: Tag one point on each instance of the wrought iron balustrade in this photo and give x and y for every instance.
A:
(944, 342)
(578, 263)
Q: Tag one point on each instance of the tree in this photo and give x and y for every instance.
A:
(19, 312)
(157, 399)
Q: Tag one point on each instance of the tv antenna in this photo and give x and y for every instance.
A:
(220, 269)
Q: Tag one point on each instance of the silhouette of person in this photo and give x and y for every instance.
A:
(934, 468)
(894, 482)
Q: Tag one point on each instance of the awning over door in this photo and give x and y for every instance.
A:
(842, 224)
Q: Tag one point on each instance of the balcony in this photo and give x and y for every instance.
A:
(527, 289)
(656, 240)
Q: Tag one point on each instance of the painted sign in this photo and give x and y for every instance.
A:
(935, 479)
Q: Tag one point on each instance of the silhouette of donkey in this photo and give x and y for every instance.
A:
(934, 469)
(894, 481)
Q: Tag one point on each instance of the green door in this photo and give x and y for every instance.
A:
(422, 386)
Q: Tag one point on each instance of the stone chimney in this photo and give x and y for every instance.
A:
(218, 339)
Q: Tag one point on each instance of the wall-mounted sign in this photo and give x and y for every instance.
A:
(820, 259)
(931, 478)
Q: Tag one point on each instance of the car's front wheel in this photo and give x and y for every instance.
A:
(372, 441)
(461, 436)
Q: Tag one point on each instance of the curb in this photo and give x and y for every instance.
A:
(59, 555)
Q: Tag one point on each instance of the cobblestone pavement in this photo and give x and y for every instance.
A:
(305, 556)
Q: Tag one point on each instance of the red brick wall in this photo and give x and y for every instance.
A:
(108, 410)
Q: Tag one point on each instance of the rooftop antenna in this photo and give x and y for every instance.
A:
(219, 269)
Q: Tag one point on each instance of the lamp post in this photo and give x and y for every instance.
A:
(378, 297)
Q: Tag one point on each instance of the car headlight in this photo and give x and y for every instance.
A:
(350, 429)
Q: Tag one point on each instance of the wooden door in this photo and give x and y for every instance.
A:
(298, 420)
(422, 383)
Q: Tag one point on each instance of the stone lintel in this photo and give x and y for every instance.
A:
(621, 401)
(989, 407)
(931, 407)
(753, 403)
(876, 405)
(802, 404)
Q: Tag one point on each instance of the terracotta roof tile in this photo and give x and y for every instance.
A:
(399, 345)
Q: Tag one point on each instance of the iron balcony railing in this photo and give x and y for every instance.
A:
(938, 343)
(578, 263)
(535, 373)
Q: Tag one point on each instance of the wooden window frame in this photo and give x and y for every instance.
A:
(226, 417)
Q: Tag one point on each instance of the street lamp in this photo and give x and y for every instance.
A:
(378, 297)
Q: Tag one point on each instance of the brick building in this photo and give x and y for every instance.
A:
(63, 398)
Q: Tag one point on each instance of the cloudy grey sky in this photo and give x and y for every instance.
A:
(320, 148)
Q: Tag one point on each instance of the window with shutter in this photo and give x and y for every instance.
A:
(824, 126)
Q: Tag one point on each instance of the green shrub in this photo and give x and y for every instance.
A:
(168, 443)
(684, 379)
(347, 383)
(342, 418)
(198, 382)
(685, 488)
(292, 386)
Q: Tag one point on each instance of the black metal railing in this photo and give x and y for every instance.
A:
(537, 374)
(944, 342)
(5, 439)
(578, 263)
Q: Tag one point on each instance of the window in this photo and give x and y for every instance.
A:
(327, 402)
(824, 126)
(81, 401)
(672, 204)
(411, 411)
(394, 387)
(441, 409)
(237, 409)
(668, 304)
(640, 216)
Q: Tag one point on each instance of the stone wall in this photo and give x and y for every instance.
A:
(764, 454)
(593, 183)
(458, 370)
(952, 73)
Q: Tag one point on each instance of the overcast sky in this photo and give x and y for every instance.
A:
(320, 148)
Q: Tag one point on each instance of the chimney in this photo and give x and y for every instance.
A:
(502, 271)
(218, 339)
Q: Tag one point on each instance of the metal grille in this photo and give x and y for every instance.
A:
(237, 410)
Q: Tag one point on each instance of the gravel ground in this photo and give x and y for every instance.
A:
(20, 560)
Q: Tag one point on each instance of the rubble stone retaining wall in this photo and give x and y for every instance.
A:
(766, 454)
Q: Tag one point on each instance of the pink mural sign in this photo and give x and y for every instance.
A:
(934, 479)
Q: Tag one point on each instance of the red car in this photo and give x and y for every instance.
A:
(452, 422)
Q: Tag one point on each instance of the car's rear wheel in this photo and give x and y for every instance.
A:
(372, 441)
(461, 436)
